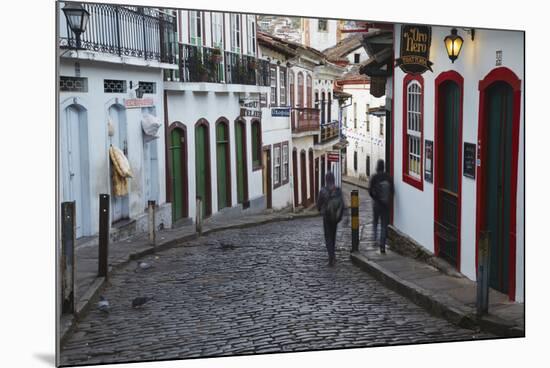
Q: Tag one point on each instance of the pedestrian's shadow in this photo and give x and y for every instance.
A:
(46, 358)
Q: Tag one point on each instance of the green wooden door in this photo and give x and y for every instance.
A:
(239, 146)
(498, 183)
(448, 173)
(222, 164)
(201, 154)
(177, 174)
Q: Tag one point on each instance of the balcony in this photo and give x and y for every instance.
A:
(329, 131)
(211, 65)
(305, 120)
(128, 31)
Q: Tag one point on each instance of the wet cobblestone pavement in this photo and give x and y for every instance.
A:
(261, 289)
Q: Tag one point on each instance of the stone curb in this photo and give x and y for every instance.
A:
(438, 305)
(93, 292)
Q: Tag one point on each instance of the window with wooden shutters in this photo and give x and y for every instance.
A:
(300, 89)
(273, 85)
(277, 165)
(256, 145)
(236, 33)
(309, 89)
(285, 169)
(291, 88)
(282, 86)
(195, 28)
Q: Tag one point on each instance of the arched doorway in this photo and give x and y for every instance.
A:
(75, 165)
(497, 174)
(295, 176)
(241, 162)
(303, 171)
(178, 171)
(312, 193)
(120, 205)
(202, 166)
(223, 163)
(447, 159)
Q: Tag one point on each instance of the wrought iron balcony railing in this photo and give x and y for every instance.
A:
(329, 131)
(305, 119)
(126, 31)
(211, 65)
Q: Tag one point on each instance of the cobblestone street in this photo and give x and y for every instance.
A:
(261, 289)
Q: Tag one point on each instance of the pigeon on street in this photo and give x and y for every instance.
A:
(139, 301)
(143, 266)
(103, 305)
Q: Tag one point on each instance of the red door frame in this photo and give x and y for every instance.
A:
(242, 122)
(443, 77)
(170, 174)
(501, 74)
(311, 177)
(303, 175)
(295, 175)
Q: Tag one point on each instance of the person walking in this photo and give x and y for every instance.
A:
(330, 202)
(381, 191)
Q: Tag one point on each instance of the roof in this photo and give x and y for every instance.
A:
(344, 47)
(270, 40)
(353, 75)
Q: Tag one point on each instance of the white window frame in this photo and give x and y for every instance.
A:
(285, 163)
(251, 36)
(273, 78)
(276, 165)
(282, 87)
(195, 29)
(236, 29)
(319, 25)
(414, 129)
(217, 30)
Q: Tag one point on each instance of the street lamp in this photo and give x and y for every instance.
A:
(77, 18)
(453, 44)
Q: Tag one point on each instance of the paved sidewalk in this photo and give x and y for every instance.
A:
(450, 296)
(89, 285)
(355, 181)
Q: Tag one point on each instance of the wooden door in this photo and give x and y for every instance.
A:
(202, 168)
(448, 173)
(498, 182)
(266, 174)
(240, 147)
(317, 189)
(303, 171)
(120, 205)
(312, 194)
(74, 163)
(295, 176)
(178, 152)
(222, 164)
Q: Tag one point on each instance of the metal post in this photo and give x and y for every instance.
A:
(68, 259)
(482, 300)
(198, 221)
(103, 258)
(152, 227)
(354, 220)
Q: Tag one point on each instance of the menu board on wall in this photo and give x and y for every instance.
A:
(470, 160)
(428, 164)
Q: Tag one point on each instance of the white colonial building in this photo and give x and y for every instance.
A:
(109, 90)
(458, 157)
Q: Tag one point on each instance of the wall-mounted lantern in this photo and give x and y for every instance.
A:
(77, 18)
(453, 44)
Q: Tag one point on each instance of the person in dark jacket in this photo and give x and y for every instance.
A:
(381, 191)
(330, 193)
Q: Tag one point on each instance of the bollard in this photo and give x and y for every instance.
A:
(198, 222)
(103, 257)
(354, 220)
(482, 282)
(68, 239)
(152, 228)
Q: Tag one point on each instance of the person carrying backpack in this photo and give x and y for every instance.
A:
(381, 191)
(330, 202)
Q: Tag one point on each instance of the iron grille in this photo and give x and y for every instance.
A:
(148, 87)
(114, 86)
(73, 84)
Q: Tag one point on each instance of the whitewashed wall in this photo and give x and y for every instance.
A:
(97, 104)
(476, 60)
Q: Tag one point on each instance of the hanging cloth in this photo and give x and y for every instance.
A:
(121, 171)
(150, 125)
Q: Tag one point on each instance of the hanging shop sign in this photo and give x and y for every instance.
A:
(469, 160)
(280, 112)
(429, 159)
(134, 103)
(415, 49)
(333, 156)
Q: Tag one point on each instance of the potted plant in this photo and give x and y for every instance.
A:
(217, 55)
